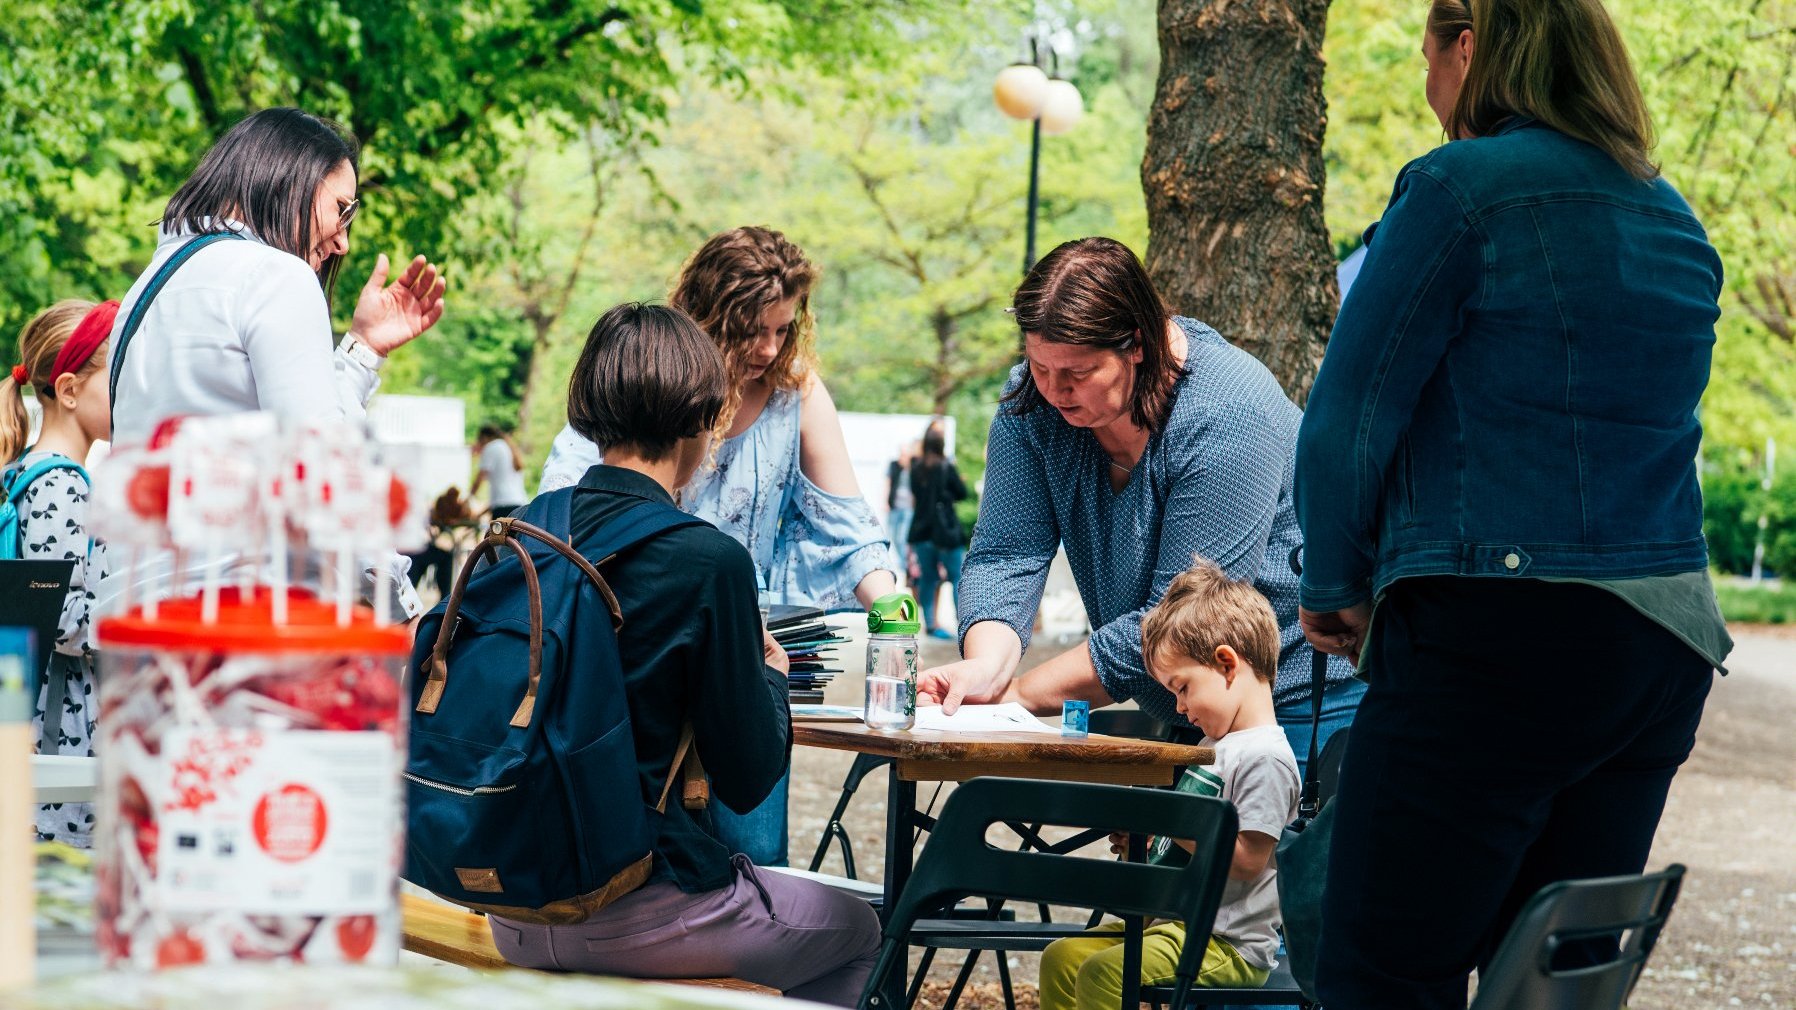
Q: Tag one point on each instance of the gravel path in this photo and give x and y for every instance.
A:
(1731, 819)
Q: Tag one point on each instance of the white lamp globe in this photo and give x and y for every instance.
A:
(1020, 90)
(1061, 108)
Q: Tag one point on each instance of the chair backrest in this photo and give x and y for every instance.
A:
(1579, 944)
(958, 862)
(1128, 722)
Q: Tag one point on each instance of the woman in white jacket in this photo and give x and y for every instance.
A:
(245, 325)
(240, 319)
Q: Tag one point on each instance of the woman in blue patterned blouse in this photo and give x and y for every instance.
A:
(1138, 440)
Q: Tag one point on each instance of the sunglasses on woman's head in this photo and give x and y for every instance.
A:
(346, 211)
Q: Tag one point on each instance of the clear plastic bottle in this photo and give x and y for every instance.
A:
(892, 628)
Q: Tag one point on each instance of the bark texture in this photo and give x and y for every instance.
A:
(1234, 177)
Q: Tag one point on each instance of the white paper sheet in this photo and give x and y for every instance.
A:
(1006, 718)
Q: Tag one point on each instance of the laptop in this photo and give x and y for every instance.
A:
(31, 596)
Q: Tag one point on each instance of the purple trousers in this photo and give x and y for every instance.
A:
(798, 936)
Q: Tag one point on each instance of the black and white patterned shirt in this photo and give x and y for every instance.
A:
(53, 527)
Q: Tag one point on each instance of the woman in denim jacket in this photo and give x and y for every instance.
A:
(1499, 452)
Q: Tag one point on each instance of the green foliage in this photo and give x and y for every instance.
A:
(1377, 118)
(1731, 503)
(478, 353)
(1762, 604)
(1734, 499)
(104, 107)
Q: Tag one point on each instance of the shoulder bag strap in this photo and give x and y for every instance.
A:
(150, 291)
(1312, 783)
(58, 672)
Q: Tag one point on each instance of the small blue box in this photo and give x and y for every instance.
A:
(1075, 718)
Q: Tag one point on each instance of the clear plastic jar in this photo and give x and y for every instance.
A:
(250, 795)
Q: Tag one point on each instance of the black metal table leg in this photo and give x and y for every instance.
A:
(901, 821)
(901, 825)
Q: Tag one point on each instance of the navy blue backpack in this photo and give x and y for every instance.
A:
(522, 793)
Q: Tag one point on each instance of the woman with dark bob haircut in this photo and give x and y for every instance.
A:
(233, 313)
(648, 390)
(245, 324)
(1136, 439)
(1500, 454)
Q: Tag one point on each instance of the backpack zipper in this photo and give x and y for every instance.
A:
(457, 790)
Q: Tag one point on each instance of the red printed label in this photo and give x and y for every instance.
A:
(278, 823)
(290, 823)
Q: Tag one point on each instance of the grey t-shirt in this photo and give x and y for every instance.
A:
(1256, 771)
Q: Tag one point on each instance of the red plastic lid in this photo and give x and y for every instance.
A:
(247, 625)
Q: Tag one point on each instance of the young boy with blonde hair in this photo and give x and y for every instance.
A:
(1213, 643)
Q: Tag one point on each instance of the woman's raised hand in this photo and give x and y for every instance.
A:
(387, 316)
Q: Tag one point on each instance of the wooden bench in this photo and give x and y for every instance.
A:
(455, 935)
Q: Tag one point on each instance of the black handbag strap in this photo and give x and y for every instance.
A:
(150, 291)
(57, 675)
(1312, 781)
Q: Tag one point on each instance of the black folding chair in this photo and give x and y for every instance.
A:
(1580, 944)
(998, 930)
(957, 862)
(864, 765)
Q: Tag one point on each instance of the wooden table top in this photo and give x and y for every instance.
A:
(935, 756)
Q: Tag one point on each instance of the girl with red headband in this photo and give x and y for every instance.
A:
(62, 357)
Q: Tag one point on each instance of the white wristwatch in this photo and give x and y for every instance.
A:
(361, 353)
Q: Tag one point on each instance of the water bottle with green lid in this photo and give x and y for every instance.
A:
(892, 628)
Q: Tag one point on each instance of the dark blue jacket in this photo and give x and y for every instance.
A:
(1511, 386)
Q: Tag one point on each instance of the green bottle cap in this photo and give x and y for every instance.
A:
(894, 614)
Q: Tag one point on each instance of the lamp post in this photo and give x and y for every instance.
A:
(1053, 105)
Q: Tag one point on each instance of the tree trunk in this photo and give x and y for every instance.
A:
(946, 348)
(541, 329)
(1234, 177)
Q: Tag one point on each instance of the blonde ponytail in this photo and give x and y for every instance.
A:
(39, 343)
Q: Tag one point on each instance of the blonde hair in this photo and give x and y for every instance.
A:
(726, 286)
(1560, 61)
(1204, 609)
(39, 342)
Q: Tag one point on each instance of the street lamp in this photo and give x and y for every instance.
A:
(1026, 91)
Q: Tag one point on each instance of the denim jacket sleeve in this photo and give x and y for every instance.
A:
(1221, 507)
(1015, 539)
(1424, 269)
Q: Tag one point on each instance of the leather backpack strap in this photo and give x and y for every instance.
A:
(673, 770)
(1310, 801)
(697, 790)
(437, 679)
